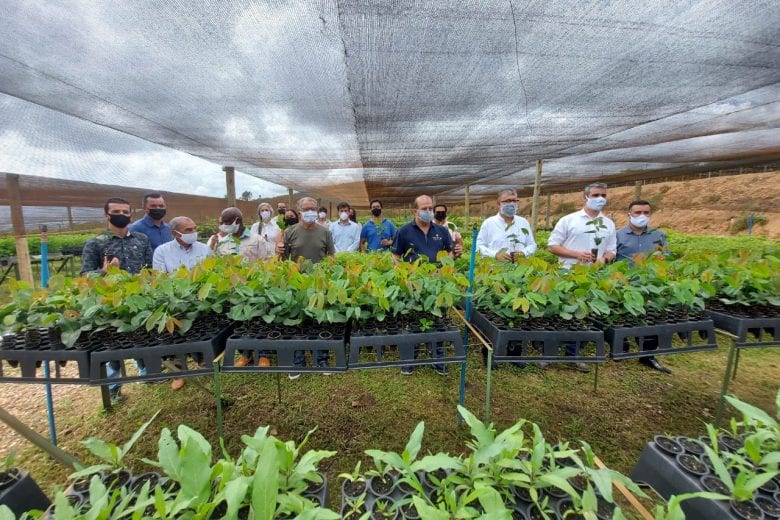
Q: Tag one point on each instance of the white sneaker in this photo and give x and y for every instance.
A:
(292, 376)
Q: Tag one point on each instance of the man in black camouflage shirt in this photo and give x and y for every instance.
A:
(119, 247)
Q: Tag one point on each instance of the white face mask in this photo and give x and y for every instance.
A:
(344, 215)
(640, 221)
(596, 203)
(322, 214)
(189, 238)
(265, 215)
(229, 229)
(309, 216)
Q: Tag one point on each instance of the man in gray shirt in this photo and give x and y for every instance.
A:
(638, 237)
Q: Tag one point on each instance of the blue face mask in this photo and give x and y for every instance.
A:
(425, 215)
(596, 203)
(509, 209)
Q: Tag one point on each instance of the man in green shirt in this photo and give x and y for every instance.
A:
(311, 241)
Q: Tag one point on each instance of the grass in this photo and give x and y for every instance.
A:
(379, 408)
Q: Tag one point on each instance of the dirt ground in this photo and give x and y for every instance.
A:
(704, 206)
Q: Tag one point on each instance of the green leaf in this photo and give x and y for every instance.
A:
(414, 444)
(129, 444)
(168, 455)
(751, 412)
(195, 455)
(104, 450)
(265, 485)
(427, 512)
(235, 492)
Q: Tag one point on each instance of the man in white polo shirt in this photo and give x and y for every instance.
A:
(578, 234)
(583, 237)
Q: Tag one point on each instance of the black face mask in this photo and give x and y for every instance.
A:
(281, 211)
(376, 211)
(157, 213)
(441, 216)
(118, 220)
(290, 221)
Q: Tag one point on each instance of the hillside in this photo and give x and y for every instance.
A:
(705, 206)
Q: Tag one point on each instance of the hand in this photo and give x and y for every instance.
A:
(503, 256)
(457, 249)
(212, 243)
(280, 248)
(386, 241)
(114, 262)
(585, 257)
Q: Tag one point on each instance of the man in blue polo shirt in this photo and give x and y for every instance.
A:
(422, 236)
(152, 224)
(638, 237)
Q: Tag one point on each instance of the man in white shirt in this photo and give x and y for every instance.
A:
(505, 235)
(585, 236)
(184, 250)
(346, 234)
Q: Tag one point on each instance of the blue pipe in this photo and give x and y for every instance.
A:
(472, 262)
(46, 372)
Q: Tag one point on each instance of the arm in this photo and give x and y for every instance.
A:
(329, 247)
(555, 244)
(158, 262)
(355, 242)
(530, 244)
(148, 258)
(483, 239)
(610, 248)
(92, 260)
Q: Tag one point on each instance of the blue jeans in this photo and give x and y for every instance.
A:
(113, 371)
(321, 357)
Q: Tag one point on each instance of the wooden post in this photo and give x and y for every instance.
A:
(466, 209)
(482, 210)
(290, 202)
(230, 180)
(537, 188)
(17, 220)
(70, 218)
(547, 211)
(638, 190)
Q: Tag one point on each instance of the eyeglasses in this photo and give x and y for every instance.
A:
(507, 201)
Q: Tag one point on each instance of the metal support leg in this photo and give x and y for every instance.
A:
(279, 388)
(726, 380)
(489, 384)
(596, 378)
(105, 395)
(736, 364)
(218, 397)
(66, 459)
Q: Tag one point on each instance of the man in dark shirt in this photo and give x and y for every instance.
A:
(152, 224)
(422, 236)
(638, 237)
(117, 247)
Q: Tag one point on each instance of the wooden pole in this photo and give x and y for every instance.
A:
(466, 209)
(17, 220)
(290, 202)
(548, 211)
(70, 218)
(482, 210)
(638, 190)
(230, 180)
(537, 188)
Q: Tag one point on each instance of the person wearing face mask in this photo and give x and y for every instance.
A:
(267, 230)
(346, 233)
(506, 235)
(118, 247)
(377, 233)
(152, 224)
(305, 238)
(281, 209)
(233, 238)
(638, 238)
(183, 250)
(322, 217)
(572, 239)
(422, 237)
(440, 218)
(310, 241)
